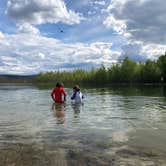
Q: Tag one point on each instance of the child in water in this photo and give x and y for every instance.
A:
(77, 95)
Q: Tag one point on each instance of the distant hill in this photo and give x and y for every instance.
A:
(7, 78)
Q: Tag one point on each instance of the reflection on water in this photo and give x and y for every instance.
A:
(59, 112)
(109, 117)
(76, 109)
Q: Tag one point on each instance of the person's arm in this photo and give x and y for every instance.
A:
(64, 98)
(73, 96)
(64, 94)
(82, 96)
(52, 95)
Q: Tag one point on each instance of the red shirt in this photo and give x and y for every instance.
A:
(57, 94)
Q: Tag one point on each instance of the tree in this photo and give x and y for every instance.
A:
(150, 72)
(114, 73)
(101, 75)
(128, 70)
(162, 65)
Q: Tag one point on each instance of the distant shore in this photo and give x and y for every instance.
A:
(127, 72)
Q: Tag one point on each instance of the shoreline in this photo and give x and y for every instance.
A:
(84, 84)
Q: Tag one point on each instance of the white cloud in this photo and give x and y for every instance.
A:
(142, 23)
(99, 2)
(41, 12)
(1, 35)
(141, 20)
(139, 51)
(29, 53)
(27, 28)
(153, 49)
(117, 25)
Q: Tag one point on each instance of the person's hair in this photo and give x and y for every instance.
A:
(59, 84)
(76, 87)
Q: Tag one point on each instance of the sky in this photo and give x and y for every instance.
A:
(48, 35)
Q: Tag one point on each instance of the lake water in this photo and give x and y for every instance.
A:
(113, 124)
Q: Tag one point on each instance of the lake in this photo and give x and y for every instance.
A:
(114, 126)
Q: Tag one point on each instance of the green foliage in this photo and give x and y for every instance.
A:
(162, 65)
(100, 75)
(150, 72)
(126, 72)
(114, 73)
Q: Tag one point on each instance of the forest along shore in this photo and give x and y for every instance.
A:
(125, 72)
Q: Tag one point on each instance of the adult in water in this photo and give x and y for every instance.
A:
(59, 94)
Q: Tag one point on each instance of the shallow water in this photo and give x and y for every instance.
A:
(110, 117)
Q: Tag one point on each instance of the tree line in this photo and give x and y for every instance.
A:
(128, 72)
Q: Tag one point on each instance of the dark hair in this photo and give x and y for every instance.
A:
(59, 84)
(76, 87)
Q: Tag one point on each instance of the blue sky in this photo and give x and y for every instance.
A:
(39, 36)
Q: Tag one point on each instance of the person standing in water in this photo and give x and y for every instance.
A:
(77, 96)
(59, 94)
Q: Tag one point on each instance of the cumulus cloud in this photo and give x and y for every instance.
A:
(139, 51)
(1, 35)
(117, 25)
(142, 23)
(27, 28)
(41, 12)
(99, 2)
(142, 20)
(29, 54)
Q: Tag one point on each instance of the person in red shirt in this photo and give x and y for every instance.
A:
(58, 93)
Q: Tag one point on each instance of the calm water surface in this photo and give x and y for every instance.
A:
(134, 116)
